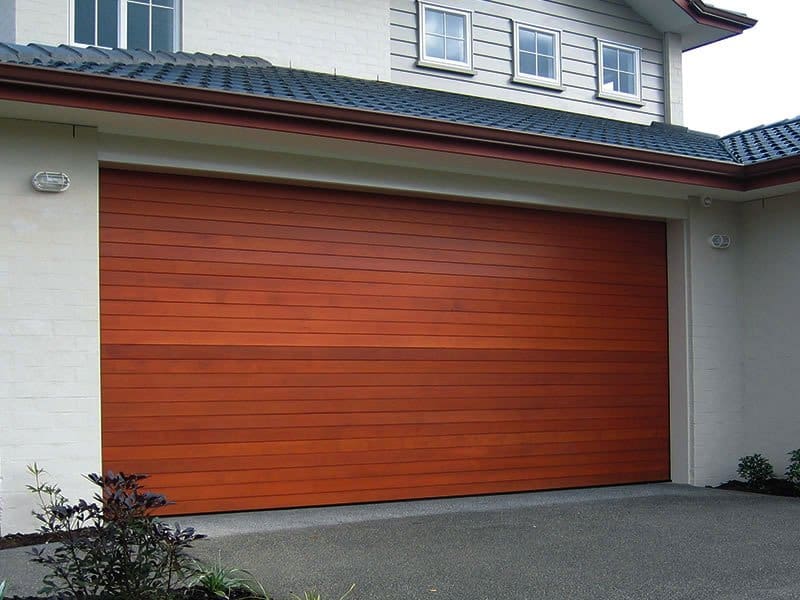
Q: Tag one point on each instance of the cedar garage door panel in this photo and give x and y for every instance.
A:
(268, 346)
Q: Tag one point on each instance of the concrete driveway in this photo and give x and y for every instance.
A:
(632, 542)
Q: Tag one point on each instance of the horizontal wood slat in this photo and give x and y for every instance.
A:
(571, 452)
(297, 346)
(196, 502)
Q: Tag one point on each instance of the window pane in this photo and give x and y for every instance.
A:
(434, 21)
(610, 82)
(107, 23)
(455, 26)
(162, 29)
(627, 83)
(626, 61)
(138, 26)
(546, 67)
(527, 40)
(455, 50)
(84, 21)
(610, 60)
(545, 44)
(434, 46)
(170, 3)
(527, 63)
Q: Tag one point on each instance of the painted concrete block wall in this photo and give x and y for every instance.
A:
(350, 37)
(771, 317)
(49, 331)
(716, 410)
(581, 23)
(42, 21)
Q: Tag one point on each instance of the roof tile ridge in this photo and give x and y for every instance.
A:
(762, 127)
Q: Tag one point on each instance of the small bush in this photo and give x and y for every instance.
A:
(793, 470)
(113, 547)
(317, 596)
(223, 582)
(755, 470)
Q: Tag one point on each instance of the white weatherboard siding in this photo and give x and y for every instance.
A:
(581, 23)
(716, 412)
(49, 330)
(350, 37)
(771, 311)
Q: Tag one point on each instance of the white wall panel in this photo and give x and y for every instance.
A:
(770, 240)
(350, 37)
(49, 329)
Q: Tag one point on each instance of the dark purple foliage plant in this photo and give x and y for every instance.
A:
(112, 547)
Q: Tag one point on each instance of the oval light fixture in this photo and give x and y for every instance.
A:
(719, 241)
(50, 181)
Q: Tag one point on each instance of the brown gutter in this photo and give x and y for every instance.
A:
(39, 85)
(772, 172)
(712, 16)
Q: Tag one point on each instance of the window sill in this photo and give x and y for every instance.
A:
(621, 98)
(542, 83)
(445, 66)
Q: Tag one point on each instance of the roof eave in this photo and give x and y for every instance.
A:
(719, 17)
(55, 87)
(712, 24)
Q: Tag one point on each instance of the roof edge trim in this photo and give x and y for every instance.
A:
(705, 14)
(41, 85)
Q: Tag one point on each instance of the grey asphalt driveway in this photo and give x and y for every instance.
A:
(634, 542)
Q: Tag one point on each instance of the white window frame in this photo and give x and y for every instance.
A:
(527, 78)
(122, 26)
(635, 98)
(442, 63)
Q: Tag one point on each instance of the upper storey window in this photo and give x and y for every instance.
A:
(538, 56)
(445, 38)
(619, 72)
(133, 24)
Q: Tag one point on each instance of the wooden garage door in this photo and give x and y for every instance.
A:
(270, 346)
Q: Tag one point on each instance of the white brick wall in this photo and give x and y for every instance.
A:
(8, 20)
(42, 21)
(771, 299)
(717, 410)
(49, 331)
(349, 36)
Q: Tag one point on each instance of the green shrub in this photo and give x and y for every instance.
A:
(755, 470)
(224, 582)
(113, 547)
(793, 470)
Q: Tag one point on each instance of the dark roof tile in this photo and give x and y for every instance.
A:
(765, 142)
(250, 75)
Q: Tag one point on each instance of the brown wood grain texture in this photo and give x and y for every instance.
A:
(266, 346)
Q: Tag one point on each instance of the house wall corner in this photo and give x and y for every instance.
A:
(673, 79)
(49, 350)
(770, 268)
(716, 399)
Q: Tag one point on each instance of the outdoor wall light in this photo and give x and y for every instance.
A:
(719, 241)
(50, 181)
